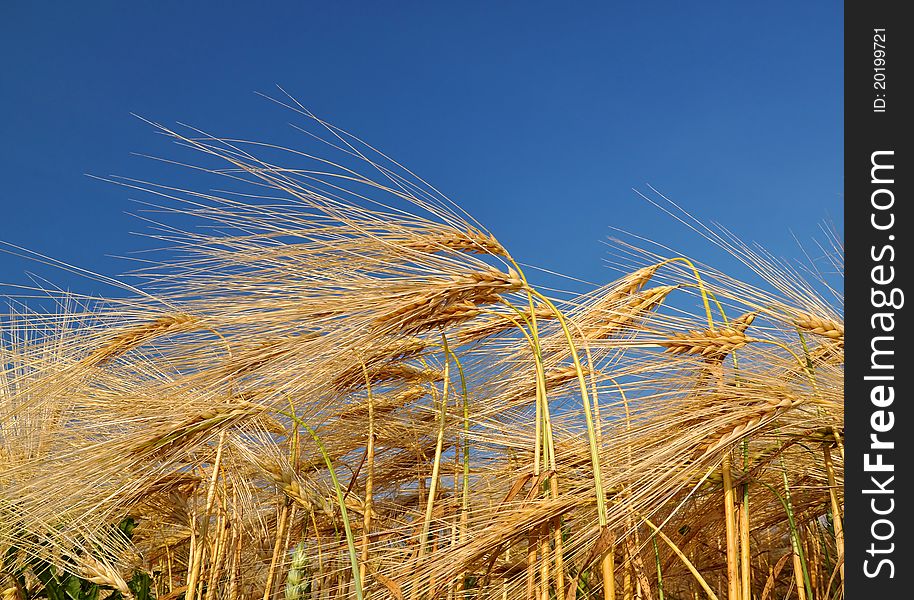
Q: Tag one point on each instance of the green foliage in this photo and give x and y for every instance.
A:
(54, 583)
(140, 586)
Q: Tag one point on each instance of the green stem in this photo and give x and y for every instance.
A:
(466, 435)
(350, 540)
(659, 572)
(543, 417)
(588, 414)
(701, 285)
(800, 362)
(797, 547)
(701, 580)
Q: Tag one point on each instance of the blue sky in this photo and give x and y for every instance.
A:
(538, 119)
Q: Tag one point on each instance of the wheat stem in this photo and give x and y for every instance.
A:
(210, 496)
(685, 561)
(588, 415)
(835, 506)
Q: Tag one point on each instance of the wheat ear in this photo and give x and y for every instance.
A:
(711, 344)
(101, 573)
(472, 241)
(138, 336)
(820, 326)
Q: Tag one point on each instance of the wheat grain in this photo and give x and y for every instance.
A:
(742, 322)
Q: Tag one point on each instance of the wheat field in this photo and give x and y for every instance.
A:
(343, 386)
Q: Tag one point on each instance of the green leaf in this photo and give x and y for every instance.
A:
(127, 525)
(71, 588)
(141, 586)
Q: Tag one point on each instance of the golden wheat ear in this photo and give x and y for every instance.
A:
(473, 241)
(820, 326)
(633, 309)
(139, 335)
(711, 344)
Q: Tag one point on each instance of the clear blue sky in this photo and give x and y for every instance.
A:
(533, 116)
